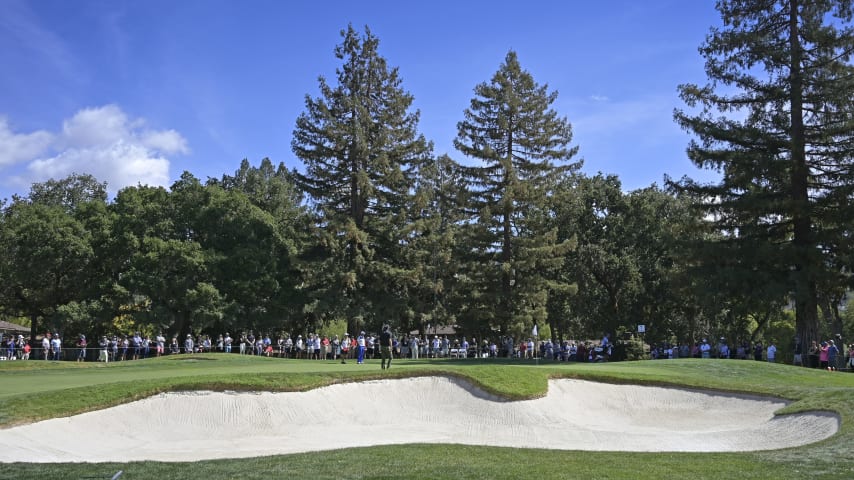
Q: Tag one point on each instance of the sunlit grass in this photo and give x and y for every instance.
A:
(37, 390)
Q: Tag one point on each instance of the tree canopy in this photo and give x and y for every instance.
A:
(376, 229)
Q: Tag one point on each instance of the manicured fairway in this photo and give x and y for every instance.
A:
(38, 390)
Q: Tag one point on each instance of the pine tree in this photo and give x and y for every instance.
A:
(359, 144)
(776, 122)
(432, 249)
(523, 147)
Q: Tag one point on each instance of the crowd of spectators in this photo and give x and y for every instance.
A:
(825, 354)
(113, 348)
(830, 354)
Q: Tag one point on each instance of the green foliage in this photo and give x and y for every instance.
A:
(46, 256)
(377, 230)
(635, 349)
(361, 151)
(775, 121)
(514, 253)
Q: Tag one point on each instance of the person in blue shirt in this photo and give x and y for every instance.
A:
(10, 348)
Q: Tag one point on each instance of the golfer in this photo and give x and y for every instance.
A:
(385, 346)
(360, 346)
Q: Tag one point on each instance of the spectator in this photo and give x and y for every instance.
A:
(25, 349)
(46, 346)
(19, 346)
(10, 347)
(705, 349)
(161, 344)
(413, 347)
(317, 344)
(757, 351)
(345, 347)
(851, 357)
(325, 348)
(250, 342)
(723, 349)
(56, 347)
(136, 343)
(798, 359)
(832, 353)
(822, 356)
(771, 353)
(300, 346)
(104, 355)
(814, 355)
(227, 341)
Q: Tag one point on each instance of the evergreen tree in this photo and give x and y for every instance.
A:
(360, 148)
(523, 147)
(431, 247)
(782, 72)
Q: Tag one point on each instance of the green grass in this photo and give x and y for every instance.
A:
(37, 390)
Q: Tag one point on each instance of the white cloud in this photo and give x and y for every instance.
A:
(20, 147)
(120, 164)
(102, 141)
(96, 126)
(167, 141)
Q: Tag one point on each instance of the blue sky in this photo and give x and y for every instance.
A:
(139, 91)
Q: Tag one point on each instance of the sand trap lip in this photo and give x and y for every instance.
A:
(575, 415)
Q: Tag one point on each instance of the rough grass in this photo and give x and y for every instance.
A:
(38, 390)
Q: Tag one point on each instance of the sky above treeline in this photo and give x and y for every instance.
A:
(136, 92)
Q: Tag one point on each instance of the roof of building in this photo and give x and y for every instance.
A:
(13, 327)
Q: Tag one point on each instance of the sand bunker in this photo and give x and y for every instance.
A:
(575, 415)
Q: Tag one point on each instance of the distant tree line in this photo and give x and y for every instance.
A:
(377, 229)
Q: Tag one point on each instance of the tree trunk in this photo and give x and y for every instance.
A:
(34, 330)
(806, 301)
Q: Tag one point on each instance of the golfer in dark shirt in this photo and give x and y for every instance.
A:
(385, 346)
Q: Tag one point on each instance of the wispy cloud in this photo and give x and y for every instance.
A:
(646, 117)
(635, 137)
(23, 29)
(102, 141)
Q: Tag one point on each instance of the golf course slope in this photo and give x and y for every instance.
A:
(574, 415)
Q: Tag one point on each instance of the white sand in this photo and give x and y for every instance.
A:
(575, 415)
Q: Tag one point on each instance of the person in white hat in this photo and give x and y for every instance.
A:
(360, 354)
